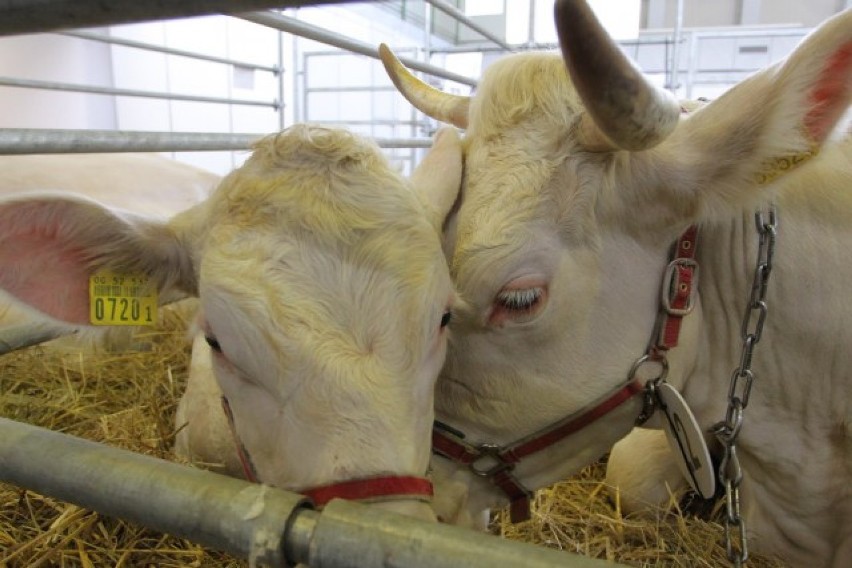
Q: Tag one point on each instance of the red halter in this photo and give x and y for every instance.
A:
(497, 462)
(367, 489)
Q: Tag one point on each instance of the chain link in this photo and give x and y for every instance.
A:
(727, 431)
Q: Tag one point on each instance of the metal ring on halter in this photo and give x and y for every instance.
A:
(650, 403)
(661, 361)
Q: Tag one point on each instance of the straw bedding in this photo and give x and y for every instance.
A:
(128, 399)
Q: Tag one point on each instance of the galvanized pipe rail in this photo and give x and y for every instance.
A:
(459, 16)
(54, 86)
(316, 33)
(268, 526)
(49, 141)
(30, 16)
(168, 50)
(17, 337)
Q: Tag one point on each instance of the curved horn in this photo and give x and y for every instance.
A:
(625, 106)
(427, 99)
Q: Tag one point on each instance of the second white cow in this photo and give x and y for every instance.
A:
(577, 185)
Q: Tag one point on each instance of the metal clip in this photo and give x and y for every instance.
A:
(489, 452)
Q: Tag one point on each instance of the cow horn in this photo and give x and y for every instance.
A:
(625, 106)
(427, 99)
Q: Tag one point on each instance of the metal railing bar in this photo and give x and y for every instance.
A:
(167, 50)
(31, 16)
(360, 89)
(26, 335)
(459, 16)
(378, 122)
(268, 526)
(49, 141)
(309, 31)
(91, 89)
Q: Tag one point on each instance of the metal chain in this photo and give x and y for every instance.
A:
(727, 431)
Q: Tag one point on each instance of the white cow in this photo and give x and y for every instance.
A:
(324, 297)
(576, 186)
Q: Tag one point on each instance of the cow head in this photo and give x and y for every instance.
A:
(579, 176)
(323, 288)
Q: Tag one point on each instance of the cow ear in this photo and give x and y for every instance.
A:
(437, 179)
(50, 245)
(769, 123)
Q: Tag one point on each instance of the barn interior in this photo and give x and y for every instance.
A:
(199, 86)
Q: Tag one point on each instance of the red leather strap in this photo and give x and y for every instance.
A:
(679, 289)
(248, 467)
(519, 496)
(574, 423)
(500, 461)
(372, 489)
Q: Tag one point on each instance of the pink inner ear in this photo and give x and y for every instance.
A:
(48, 275)
(829, 99)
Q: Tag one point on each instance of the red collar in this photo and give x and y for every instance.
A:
(367, 489)
(373, 490)
(496, 463)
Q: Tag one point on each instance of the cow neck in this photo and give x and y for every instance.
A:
(497, 463)
(373, 489)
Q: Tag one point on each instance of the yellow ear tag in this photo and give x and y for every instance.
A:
(122, 299)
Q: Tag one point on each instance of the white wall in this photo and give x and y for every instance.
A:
(217, 36)
(49, 57)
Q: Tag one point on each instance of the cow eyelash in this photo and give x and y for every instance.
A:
(213, 343)
(519, 300)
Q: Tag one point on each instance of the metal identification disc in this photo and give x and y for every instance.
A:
(686, 441)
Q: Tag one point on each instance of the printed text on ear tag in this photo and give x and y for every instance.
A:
(122, 299)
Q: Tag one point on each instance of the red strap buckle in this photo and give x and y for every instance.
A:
(678, 296)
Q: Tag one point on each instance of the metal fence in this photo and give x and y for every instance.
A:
(268, 526)
(52, 15)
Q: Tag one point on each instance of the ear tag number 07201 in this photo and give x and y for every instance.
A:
(122, 299)
(686, 441)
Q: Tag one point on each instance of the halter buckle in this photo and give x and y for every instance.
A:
(674, 287)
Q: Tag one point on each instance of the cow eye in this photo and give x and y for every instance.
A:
(519, 300)
(445, 319)
(213, 343)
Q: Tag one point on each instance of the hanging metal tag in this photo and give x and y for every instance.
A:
(686, 441)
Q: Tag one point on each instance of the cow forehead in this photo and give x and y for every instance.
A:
(512, 196)
(315, 307)
(317, 231)
(530, 89)
(295, 184)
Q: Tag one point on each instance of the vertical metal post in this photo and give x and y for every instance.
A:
(692, 43)
(280, 78)
(676, 47)
(531, 30)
